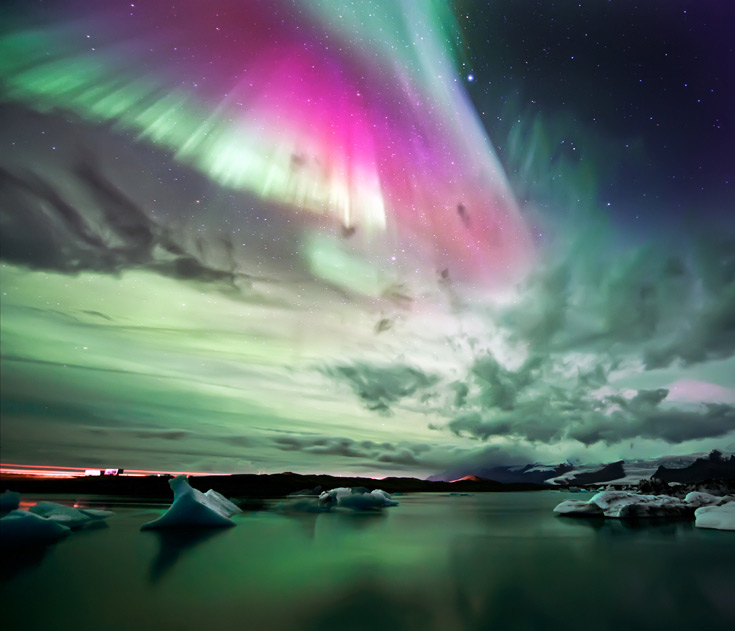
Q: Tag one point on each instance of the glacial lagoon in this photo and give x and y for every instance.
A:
(435, 562)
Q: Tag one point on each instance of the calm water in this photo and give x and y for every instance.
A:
(489, 561)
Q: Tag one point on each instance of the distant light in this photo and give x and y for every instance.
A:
(470, 78)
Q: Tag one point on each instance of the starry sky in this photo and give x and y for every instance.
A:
(382, 237)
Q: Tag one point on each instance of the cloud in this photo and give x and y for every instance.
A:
(164, 434)
(500, 387)
(664, 302)
(672, 426)
(461, 390)
(570, 414)
(404, 454)
(542, 311)
(323, 446)
(379, 387)
(401, 457)
(581, 323)
(101, 230)
(708, 333)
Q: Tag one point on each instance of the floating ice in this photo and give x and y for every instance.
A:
(192, 508)
(357, 499)
(697, 498)
(719, 517)
(68, 516)
(623, 505)
(333, 496)
(9, 500)
(578, 508)
(20, 528)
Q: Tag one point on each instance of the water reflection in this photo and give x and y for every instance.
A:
(360, 520)
(367, 606)
(338, 521)
(17, 560)
(306, 524)
(649, 528)
(173, 544)
(495, 561)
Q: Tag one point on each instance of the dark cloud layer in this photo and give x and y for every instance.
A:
(670, 308)
(500, 387)
(610, 420)
(403, 454)
(41, 229)
(379, 387)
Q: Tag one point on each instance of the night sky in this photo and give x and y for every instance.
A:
(399, 237)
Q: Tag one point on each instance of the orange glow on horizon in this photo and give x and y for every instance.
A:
(50, 471)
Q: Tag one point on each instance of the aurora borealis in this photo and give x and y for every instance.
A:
(388, 237)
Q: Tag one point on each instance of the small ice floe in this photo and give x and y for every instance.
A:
(578, 508)
(697, 499)
(192, 508)
(720, 517)
(21, 528)
(9, 500)
(357, 499)
(624, 505)
(68, 516)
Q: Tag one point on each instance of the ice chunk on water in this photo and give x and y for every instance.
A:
(20, 527)
(379, 493)
(192, 508)
(68, 516)
(9, 500)
(719, 517)
(621, 505)
(696, 498)
(578, 508)
(357, 499)
(225, 506)
(624, 505)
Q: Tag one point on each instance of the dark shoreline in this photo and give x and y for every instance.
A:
(246, 485)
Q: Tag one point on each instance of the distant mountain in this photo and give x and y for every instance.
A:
(247, 486)
(614, 472)
(469, 478)
(525, 474)
(669, 468)
(608, 473)
(713, 467)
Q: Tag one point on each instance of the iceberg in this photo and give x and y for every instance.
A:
(357, 499)
(21, 528)
(192, 508)
(578, 508)
(720, 517)
(68, 516)
(624, 505)
(697, 499)
(9, 500)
